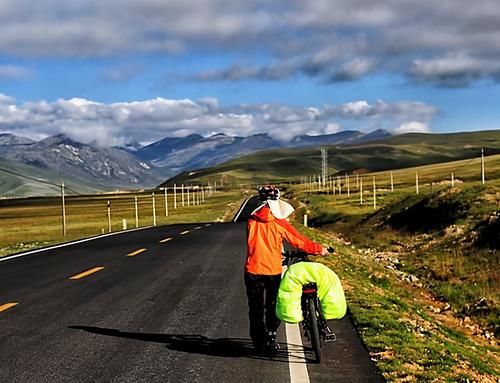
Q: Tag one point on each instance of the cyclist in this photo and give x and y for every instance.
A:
(266, 230)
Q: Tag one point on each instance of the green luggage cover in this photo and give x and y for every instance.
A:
(330, 292)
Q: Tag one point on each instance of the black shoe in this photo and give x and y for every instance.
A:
(271, 345)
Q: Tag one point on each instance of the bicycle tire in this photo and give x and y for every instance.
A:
(314, 330)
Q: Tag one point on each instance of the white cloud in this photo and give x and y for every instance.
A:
(330, 40)
(4, 99)
(13, 72)
(454, 69)
(149, 120)
(332, 128)
(412, 127)
(354, 69)
(357, 108)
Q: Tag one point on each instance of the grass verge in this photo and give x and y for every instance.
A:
(415, 290)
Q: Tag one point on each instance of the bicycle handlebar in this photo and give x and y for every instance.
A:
(293, 256)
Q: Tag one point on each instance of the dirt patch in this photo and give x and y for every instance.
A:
(464, 369)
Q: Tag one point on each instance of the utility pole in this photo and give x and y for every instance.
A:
(392, 182)
(482, 167)
(166, 202)
(136, 213)
(175, 196)
(109, 217)
(416, 182)
(374, 195)
(361, 191)
(63, 210)
(348, 187)
(154, 209)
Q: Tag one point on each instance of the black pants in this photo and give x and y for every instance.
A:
(262, 291)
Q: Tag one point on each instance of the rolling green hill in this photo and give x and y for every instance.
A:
(17, 179)
(397, 152)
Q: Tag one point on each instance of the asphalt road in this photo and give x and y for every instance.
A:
(165, 304)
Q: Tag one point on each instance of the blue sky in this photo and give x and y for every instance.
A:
(143, 70)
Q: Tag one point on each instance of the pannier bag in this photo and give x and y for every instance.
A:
(330, 292)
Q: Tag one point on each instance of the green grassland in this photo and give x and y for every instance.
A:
(405, 328)
(17, 179)
(397, 152)
(31, 223)
(421, 270)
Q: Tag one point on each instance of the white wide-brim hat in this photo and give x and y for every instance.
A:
(280, 209)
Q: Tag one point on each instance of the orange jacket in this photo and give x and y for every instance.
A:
(265, 234)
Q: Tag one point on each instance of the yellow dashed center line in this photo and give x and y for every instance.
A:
(7, 306)
(88, 272)
(134, 253)
(165, 240)
(184, 232)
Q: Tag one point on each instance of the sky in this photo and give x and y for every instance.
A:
(116, 72)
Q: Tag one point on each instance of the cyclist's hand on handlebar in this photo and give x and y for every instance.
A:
(327, 251)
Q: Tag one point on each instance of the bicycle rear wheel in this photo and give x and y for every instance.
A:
(314, 330)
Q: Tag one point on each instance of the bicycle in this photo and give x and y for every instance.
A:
(314, 324)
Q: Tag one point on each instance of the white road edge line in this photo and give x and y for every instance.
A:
(296, 357)
(71, 243)
(241, 209)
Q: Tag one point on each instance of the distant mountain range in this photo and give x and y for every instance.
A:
(194, 151)
(104, 168)
(397, 152)
(136, 166)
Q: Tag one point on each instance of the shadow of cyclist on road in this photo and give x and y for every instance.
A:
(192, 343)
